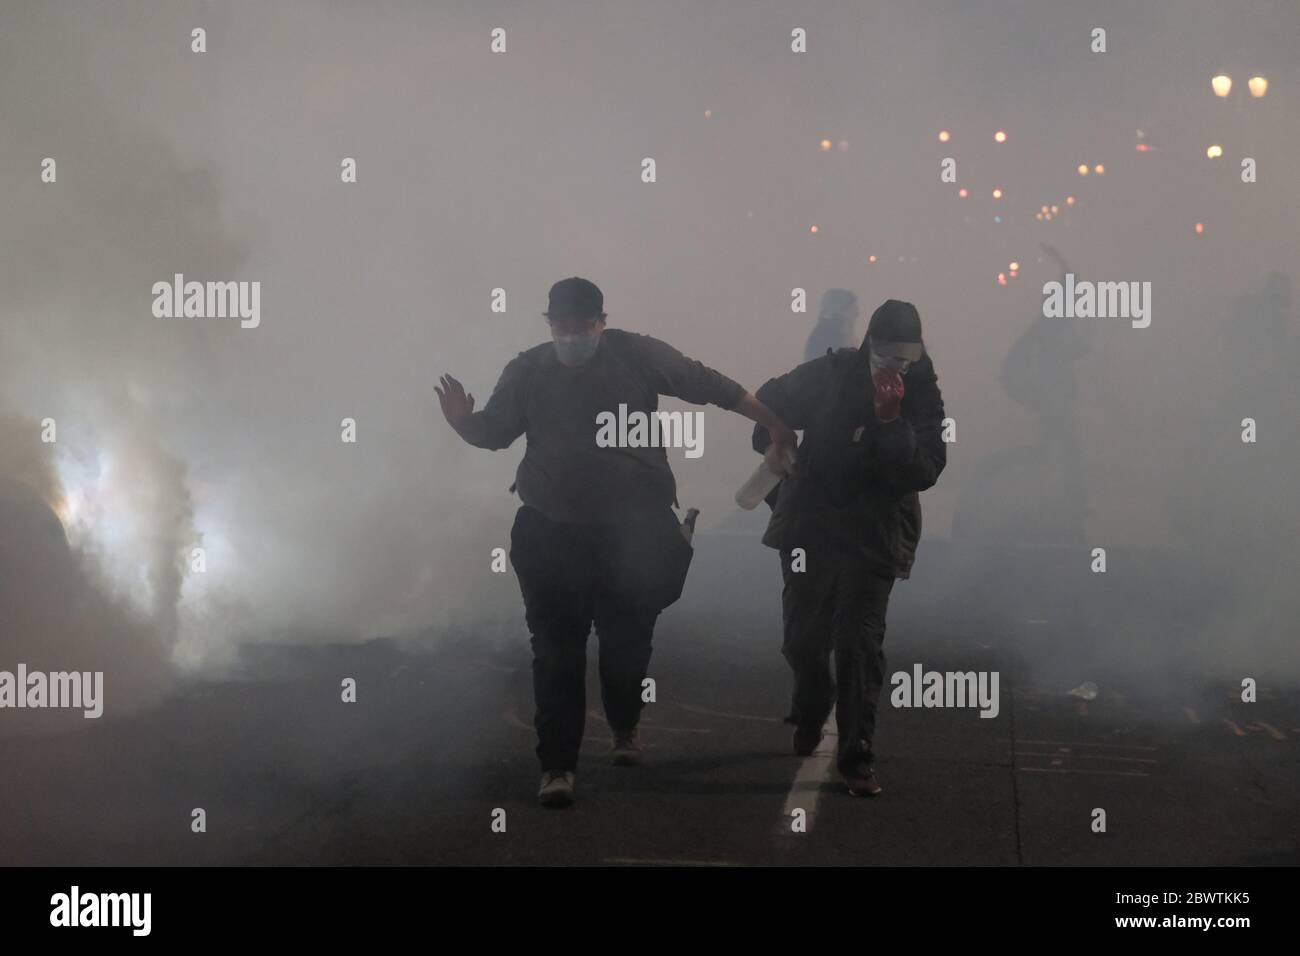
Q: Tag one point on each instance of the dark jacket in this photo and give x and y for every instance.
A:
(564, 474)
(856, 482)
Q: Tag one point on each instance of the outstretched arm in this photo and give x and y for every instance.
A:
(672, 373)
(499, 423)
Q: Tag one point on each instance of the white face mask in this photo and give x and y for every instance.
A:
(901, 365)
(574, 350)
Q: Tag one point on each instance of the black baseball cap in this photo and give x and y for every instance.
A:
(895, 331)
(575, 297)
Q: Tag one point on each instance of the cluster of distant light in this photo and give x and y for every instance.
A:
(1222, 86)
(827, 145)
(1047, 213)
(999, 137)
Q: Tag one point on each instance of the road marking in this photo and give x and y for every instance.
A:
(1030, 753)
(597, 715)
(718, 713)
(807, 786)
(629, 861)
(1103, 773)
(1082, 743)
(1273, 731)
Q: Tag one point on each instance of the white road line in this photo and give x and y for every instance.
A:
(807, 785)
(1073, 756)
(1096, 773)
(632, 861)
(719, 713)
(1088, 743)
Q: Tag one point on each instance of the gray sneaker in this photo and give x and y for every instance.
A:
(557, 789)
(627, 749)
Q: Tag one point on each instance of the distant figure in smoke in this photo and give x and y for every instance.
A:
(836, 324)
(1038, 372)
(1034, 493)
(872, 421)
(596, 538)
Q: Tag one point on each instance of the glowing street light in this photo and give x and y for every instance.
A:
(1214, 152)
(1200, 228)
(963, 192)
(1069, 200)
(943, 136)
(1083, 169)
(997, 194)
(1258, 86)
(1222, 85)
(1099, 169)
(826, 145)
(999, 137)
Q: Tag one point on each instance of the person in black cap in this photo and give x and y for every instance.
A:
(596, 539)
(872, 439)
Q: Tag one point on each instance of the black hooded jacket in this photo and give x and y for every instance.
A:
(856, 481)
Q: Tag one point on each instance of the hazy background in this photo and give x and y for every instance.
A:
(479, 171)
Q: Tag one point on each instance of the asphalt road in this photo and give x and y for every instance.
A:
(440, 737)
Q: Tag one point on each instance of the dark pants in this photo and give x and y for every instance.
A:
(567, 576)
(837, 603)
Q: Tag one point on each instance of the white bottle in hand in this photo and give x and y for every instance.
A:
(761, 482)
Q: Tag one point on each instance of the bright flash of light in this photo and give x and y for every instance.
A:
(1014, 267)
(1000, 137)
(1083, 169)
(997, 194)
(1221, 84)
(1215, 151)
(1258, 86)
(944, 136)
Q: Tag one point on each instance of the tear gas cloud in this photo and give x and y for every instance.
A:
(477, 171)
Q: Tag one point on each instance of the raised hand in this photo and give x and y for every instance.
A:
(889, 393)
(456, 405)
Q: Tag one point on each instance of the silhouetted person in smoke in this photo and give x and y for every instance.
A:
(1038, 372)
(596, 538)
(836, 324)
(872, 423)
